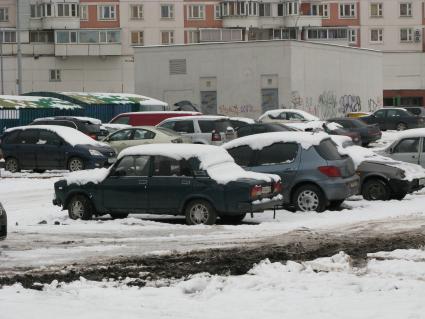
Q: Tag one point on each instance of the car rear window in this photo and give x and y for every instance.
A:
(278, 153)
(327, 150)
(241, 154)
(207, 126)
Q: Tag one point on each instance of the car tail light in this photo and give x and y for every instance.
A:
(330, 171)
(256, 191)
(277, 187)
(216, 136)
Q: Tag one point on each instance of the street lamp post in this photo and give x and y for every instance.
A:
(18, 30)
(1, 62)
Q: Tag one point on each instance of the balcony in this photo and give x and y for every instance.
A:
(87, 42)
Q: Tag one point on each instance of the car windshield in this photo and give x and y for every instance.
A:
(207, 126)
(327, 149)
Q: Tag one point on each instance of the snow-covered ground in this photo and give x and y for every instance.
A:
(322, 289)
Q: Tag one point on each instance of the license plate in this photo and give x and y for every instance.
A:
(266, 190)
(112, 160)
(421, 181)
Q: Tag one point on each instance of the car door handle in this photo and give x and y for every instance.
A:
(143, 182)
(185, 182)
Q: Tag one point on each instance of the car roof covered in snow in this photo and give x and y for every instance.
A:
(416, 132)
(197, 117)
(214, 159)
(259, 141)
(276, 112)
(70, 135)
(64, 118)
(22, 101)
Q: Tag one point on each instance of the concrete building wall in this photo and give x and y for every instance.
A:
(10, 5)
(323, 79)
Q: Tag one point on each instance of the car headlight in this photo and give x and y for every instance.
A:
(95, 153)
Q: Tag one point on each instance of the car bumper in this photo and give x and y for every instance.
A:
(341, 188)
(404, 186)
(260, 205)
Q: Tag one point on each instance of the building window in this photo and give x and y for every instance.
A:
(352, 36)
(48, 12)
(347, 10)
(280, 10)
(67, 10)
(406, 35)
(84, 14)
(88, 36)
(167, 37)
(107, 12)
(136, 12)
(327, 34)
(192, 36)
(42, 37)
(292, 8)
(167, 11)
(252, 8)
(265, 10)
(377, 35)
(36, 11)
(54, 75)
(7, 36)
(406, 9)
(285, 34)
(320, 10)
(196, 11)
(137, 38)
(376, 10)
(4, 14)
(217, 12)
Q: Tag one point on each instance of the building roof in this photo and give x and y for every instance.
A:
(112, 98)
(20, 102)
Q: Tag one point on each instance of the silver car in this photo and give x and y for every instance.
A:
(202, 129)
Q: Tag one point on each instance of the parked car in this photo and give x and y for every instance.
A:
(186, 105)
(41, 147)
(148, 118)
(336, 129)
(315, 175)
(87, 125)
(408, 147)
(368, 133)
(238, 122)
(394, 119)
(202, 129)
(259, 128)
(417, 110)
(139, 135)
(382, 178)
(3, 223)
(201, 182)
(111, 128)
(287, 116)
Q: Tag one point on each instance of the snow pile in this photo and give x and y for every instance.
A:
(360, 154)
(95, 176)
(70, 135)
(259, 141)
(308, 126)
(219, 165)
(338, 262)
(275, 114)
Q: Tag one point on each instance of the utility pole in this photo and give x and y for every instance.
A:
(1, 62)
(18, 31)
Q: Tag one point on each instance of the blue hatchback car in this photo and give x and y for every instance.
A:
(41, 147)
(315, 176)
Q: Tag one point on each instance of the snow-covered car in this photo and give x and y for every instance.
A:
(315, 175)
(287, 116)
(408, 147)
(3, 222)
(201, 182)
(381, 178)
(139, 135)
(238, 122)
(42, 147)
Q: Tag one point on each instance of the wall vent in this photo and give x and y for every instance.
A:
(177, 66)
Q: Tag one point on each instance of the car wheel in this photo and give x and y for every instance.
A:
(309, 198)
(200, 212)
(335, 204)
(118, 216)
(75, 164)
(12, 165)
(399, 196)
(376, 189)
(80, 207)
(233, 219)
(401, 126)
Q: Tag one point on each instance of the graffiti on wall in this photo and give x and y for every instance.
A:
(350, 103)
(246, 110)
(374, 104)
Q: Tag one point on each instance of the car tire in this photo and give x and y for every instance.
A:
(119, 216)
(401, 126)
(335, 204)
(376, 189)
(80, 207)
(75, 164)
(399, 196)
(200, 212)
(309, 198)
(12, 165)
(232, 219)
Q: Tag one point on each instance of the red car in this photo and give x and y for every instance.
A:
(148, 118)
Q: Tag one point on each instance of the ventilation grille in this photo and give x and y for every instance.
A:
(178, 66)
